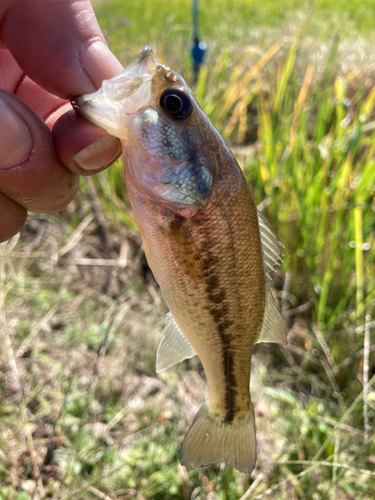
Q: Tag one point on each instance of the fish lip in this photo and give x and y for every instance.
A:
(145, 52)
(123, 95)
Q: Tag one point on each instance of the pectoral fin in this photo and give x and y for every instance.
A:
(173, 346)
(273, 329)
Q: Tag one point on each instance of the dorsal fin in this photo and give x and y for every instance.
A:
(271, 245)
(173, 346)
(273, 329)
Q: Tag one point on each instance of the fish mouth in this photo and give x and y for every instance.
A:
(121, 96)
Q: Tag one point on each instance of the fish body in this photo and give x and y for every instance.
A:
(207, 245)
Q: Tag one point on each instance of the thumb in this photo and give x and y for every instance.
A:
(57, 44)
(31, 173)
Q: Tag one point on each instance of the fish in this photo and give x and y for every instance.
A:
(211, 251)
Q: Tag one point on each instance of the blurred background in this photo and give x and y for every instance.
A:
(83, 415)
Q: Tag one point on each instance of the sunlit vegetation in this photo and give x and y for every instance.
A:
(83, 414)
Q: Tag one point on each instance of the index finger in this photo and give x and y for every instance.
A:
(58, 44)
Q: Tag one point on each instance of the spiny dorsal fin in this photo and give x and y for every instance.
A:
(273, 326)
(173, 346)
(271, 246)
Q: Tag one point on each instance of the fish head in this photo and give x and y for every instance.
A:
(152, 110)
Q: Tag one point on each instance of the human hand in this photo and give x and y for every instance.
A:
(49, 51)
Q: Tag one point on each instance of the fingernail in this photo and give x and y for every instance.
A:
(15, 138)
(99, 63)
(99, 154)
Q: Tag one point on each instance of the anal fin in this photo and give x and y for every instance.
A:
(273, 329)
(173, 346)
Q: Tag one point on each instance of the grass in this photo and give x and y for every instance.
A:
(82, 413)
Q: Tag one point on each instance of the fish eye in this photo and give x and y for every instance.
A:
(177, 103)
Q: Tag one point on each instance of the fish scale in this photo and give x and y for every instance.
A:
(209, 249)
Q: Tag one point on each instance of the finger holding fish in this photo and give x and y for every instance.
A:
(50, 51)
(84, 148)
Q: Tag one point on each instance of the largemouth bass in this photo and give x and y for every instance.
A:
(209, 248)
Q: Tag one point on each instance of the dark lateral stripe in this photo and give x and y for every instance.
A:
(219, 311)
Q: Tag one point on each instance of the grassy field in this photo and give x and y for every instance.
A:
(82, 413)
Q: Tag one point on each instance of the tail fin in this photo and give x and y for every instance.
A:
(212, 440)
